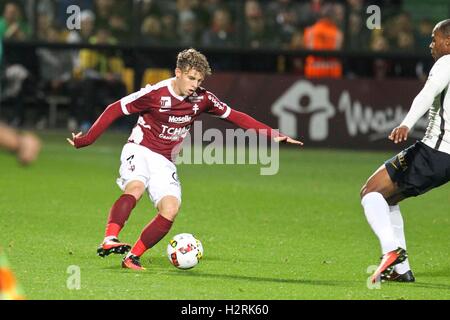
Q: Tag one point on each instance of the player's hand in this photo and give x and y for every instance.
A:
(286, 139)
(399, 134)
(71, 141)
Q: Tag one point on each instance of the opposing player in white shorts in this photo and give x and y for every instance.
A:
(166, 112)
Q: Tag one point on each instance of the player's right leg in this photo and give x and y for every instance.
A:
(118, 215)
(133, 182)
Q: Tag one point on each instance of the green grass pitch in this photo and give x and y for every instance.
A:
(300, 234)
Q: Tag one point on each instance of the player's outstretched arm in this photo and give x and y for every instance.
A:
(244, 121)
(111, 113)
(399, 134)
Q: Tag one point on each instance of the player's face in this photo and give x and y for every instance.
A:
(440, 45)
(188, 81)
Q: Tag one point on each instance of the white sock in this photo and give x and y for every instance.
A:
(398, 226)
(376, 210)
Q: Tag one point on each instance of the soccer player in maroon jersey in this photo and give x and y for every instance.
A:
(166, 111)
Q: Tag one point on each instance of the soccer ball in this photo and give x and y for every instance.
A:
(184, 251)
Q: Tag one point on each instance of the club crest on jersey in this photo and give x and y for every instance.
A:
(165, 104)
(195, 108)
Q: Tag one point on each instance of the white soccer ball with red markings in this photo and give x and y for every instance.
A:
(184, 251)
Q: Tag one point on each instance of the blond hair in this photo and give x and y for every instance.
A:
(192, 59)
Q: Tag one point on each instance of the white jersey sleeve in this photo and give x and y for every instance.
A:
(438, 81)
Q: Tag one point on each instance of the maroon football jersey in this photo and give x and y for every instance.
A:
(165, 117)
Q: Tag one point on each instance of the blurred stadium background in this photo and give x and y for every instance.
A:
(312, 68)
(54, 55)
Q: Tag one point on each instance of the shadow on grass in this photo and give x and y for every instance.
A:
(428, 285)
(157, 266)
(330, 283)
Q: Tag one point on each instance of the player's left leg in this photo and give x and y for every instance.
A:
(168, 208)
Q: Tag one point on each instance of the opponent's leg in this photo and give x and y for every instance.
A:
(402, 271)
(374, 193)
(373, 198)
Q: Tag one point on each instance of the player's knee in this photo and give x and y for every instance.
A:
(169, 212)
(169, 208)
(363, 191)
(136, 189)
(366, 189)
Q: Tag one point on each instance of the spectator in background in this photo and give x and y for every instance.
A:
(397, 27)
(202, 14)
(187, 29)
(358, 35)
(87, 28)
(323, 35)
(100, 83)
(402, 39)
(150, 8)
(285, 16)
(44, 22)
(422, 34)
(151, 31)
(405, 41)
(257, 32)
(62, 5)
(357, 39)
(81, 36)
(12, 23)
(17, 80)
(169, 31)
(221, 32)
(422, 37)
(55, 72)
(339, 15)
(309, 12)
(379, 43)
(297, 43)
(114, 16)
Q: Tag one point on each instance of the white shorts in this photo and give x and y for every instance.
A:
(157, 173)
